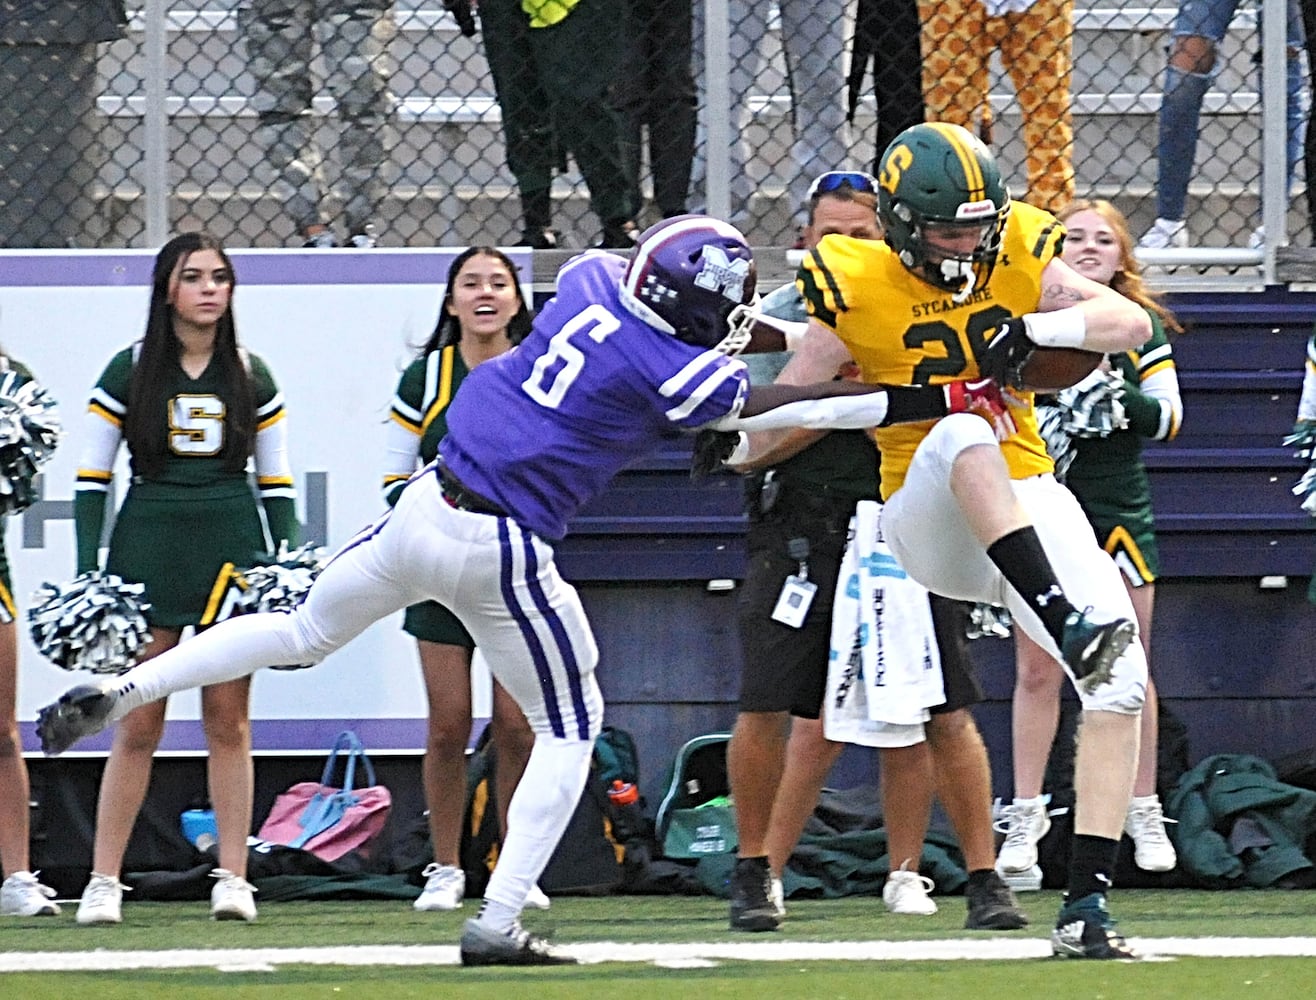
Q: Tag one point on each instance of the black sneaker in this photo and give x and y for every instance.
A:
(540, 239)
(752, 905)
(992, 906)
(483, 946)
(621, 235)
(1085, 929)
(1091, 649)
(80, 711)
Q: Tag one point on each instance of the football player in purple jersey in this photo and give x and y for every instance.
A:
(625, 351)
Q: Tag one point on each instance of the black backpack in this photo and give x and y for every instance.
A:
(589, 858)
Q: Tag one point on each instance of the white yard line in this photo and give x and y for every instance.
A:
(267, 959)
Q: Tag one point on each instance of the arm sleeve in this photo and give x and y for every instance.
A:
(402, 438)
(847, 412)
(274, 481)
(103, 432)
(1153, 403)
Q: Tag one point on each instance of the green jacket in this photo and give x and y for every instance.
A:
(1238, 825)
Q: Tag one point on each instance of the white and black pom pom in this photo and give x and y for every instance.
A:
(1094, 408)
(1306, 488)
(29, 432)
(95, 623)
(1059, 445)
(989, 621)
(282, 584)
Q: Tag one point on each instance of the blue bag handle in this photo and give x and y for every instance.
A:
(328, 807)
(347, 741)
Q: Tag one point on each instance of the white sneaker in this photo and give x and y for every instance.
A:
(1029, 880)
(538, 899)
(1165, 234)
(777, 893)
(1145, 825)
(102, 901)
(445, 888)
(906, 893)
(21, 895)
(231, 898)
(1024, 823)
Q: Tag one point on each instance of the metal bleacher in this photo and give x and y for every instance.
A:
(451, 180)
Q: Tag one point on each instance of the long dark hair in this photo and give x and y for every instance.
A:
(448, 330)
(144, 430)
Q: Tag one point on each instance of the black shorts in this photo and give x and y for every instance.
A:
(784, 669)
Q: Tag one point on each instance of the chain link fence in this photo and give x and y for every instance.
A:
(266, 119)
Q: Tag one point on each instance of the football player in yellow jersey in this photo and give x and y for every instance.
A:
(967, 285)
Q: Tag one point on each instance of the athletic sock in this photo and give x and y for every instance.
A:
(1091, 865)
(1023, 562)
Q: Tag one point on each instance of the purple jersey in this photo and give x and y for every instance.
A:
(542, 429)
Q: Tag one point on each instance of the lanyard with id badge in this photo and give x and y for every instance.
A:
(798, 590)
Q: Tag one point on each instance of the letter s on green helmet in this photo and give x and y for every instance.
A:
(939, 187)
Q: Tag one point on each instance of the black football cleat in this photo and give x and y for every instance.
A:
(482, 946)
(80, 711)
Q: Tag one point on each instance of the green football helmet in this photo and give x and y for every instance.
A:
(943, 205)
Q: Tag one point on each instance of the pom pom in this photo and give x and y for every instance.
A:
(1306, 488)
(1059, 445)
(989, 621)
(95, 623)
(29, 432)
(279, 585)
(1094, 407)
(282, 583)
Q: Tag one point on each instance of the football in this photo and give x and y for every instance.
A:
(1050, 369)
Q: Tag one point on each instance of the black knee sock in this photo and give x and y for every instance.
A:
(1023, 562)
(1091, 865)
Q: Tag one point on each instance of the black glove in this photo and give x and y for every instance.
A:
(461, 10)
(1008, 350)
(712, 449)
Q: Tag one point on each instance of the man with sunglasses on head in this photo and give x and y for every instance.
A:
(968, 284)
(800, 500)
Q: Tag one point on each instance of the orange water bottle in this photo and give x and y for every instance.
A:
(623, 793)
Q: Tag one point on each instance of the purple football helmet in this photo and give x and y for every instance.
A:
(686, 276)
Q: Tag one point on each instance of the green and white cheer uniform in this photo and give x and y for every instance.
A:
(176, 530)
(417, 423)
(1108, 474)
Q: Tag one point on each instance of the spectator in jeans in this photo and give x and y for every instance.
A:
(1199, 28)
(812, 36)
(554, 63)
(657, 88)
(49, 150)
(354, 38)
(1035, 40)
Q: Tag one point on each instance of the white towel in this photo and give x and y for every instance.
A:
(884, 661)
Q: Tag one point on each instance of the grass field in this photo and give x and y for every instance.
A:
(637, 948)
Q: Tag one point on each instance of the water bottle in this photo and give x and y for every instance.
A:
(199, 828)
(623, 793)
(625, 798)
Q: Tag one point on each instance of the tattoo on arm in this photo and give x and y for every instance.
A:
(1060, 296)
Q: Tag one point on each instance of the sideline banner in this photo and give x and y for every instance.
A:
(336, 327)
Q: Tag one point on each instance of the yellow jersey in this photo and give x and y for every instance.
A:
(905, 331)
